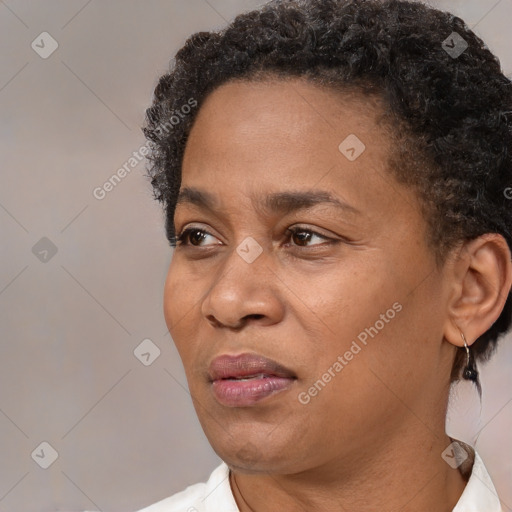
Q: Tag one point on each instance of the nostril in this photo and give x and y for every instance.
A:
(255, 316)
(243, 321)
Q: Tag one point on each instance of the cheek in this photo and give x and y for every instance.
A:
(171, 304)
(180, 296)
(347, 297)
(358, 311)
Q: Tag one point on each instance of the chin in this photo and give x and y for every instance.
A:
(251, 454)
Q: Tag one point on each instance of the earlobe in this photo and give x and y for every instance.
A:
(482, 275)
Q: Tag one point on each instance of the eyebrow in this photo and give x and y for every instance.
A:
(278, 202)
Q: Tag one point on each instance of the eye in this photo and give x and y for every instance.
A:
(189, 236)
(304, 235)
(191, 233)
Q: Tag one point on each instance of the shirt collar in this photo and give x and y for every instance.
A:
(479, 493)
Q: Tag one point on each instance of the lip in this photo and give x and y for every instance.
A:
(263, 377)
(229, 366)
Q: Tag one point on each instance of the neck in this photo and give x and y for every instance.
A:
(407, 473)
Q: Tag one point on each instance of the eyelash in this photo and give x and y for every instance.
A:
(181, 239)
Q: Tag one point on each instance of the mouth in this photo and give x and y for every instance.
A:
(246, 366)
(244, 380)
(250, 377)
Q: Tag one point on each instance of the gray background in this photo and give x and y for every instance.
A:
(126, 434)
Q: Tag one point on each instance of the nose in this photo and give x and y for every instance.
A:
(242, 293)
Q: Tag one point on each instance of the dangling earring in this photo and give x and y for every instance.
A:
(470, 372)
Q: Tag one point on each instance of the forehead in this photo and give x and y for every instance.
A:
(252, 137)
(291, 105)
(288, 124)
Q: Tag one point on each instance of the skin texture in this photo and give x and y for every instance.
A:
(372, 438)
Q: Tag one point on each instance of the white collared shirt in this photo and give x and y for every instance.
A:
(216, 496)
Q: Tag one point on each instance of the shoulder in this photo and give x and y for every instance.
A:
(214, 495)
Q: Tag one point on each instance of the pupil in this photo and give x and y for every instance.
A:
(302, 236)
(193, 233)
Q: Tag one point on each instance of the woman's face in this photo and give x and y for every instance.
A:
(356, 317)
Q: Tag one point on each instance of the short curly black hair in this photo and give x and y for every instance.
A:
(449, 102)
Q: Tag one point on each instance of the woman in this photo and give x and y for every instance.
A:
(336, 181)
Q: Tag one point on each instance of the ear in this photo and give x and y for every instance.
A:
(481, 281)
